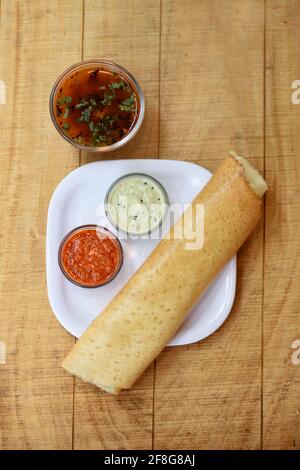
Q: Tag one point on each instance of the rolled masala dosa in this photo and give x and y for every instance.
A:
(133, 329)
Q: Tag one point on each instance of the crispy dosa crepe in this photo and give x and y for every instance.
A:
(143, 317)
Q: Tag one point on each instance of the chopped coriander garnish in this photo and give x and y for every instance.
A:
(107, 99)
(86, 115)
(66, 126)
(66, 113)
(91, 126)
(68, 99)
(127, 104)
(81, 104)
(93, 102)
(65, 100)
(109, 120)
(118, 85)
(98, 139)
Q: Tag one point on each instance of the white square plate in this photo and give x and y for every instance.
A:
(78, 200)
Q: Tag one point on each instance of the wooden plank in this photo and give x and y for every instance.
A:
(208, 395)
(37, 41)
(127, 33)
(281, 384)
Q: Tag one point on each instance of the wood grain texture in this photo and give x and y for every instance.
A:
(37, 41)
(127, 33)
(211, 79)
(208, 395)
(281, 386)
(206, 68)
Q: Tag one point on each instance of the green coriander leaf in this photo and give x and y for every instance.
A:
(127, 104)
(66, 100)
(121, 85)
(81, 104)
(107, 99)
(86, 115)
(96, 130)
(66, 126)
(66, 113)
(93, 102)
(91, 126)
(98, 139)
(109, 120)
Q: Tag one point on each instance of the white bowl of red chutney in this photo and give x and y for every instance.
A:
(97, 106)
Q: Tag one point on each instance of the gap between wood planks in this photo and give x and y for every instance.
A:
(79, 164)
(264, 232)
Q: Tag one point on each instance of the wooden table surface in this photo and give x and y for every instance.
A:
(217, 75)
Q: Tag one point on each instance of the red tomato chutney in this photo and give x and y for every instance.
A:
(90, 256)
